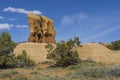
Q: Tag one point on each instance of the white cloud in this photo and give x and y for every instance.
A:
(105, 32)
(1, 17)
(21, 10)
(76, 18)
(67, 20)
(5, 26)
(8, 26)
(22, 26)
(11, 19)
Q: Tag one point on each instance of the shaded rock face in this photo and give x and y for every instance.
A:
(41, 29)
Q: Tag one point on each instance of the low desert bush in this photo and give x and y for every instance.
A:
(12, 61)
(91, 69)
(115, 45)
(84, 64)
(8, 74)
(6, 44)
(95, 71)
(20, 77)
(64, 55)
(24, 61)
(7, 61)
(34, 73)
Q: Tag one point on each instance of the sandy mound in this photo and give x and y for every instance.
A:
(93, 48)
(99, 53)
(95, 51)
(36, 51)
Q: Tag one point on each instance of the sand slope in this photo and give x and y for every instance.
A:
(95, 51)
(99, 53)
(36, 51)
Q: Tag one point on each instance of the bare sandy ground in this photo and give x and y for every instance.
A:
(95, 51)
(99, 53)
(36, 51)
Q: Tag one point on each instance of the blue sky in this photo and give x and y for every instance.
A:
(90, 20)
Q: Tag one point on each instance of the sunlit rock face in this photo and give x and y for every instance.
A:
(41, 29)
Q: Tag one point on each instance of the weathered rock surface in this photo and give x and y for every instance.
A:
(41, 29)
(36, 51)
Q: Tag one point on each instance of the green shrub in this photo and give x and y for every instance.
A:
(6, 44)
(63, 55)
(7, 61)
(24, 61)
(49, 47)
(115, 45)
(12, 61)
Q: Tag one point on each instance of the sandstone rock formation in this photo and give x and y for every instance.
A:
(41, 29)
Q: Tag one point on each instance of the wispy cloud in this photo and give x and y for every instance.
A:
(1, 17)
(21, 10)
(90, 28)
(11, 19)
(8, 26)
(5, 26)
(75, 18)
(22, 26)
(105, 32)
